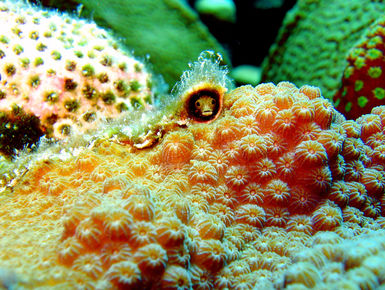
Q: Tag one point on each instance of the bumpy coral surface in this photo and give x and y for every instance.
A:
(363, 83)
(314, 40)
(267, 195)
(68, 73)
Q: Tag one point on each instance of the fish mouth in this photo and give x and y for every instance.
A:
(207, 113)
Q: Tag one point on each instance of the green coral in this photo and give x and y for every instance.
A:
(56, 55)
(374, 53)
(316, 37)
(362, 101)
(108, 98)
(88, 70)
(379, 93)
(34, 81)
(358, 85)
(17, 49)
(375, 72)
(348, 106)
(38, 61)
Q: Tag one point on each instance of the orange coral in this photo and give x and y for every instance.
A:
(89, 233)
(115, 252)
(175, 277)
(177, 148)
(227, 196)
(285, 122)
(252, 193)
(310, 91)
(251, 214)
(303, 273)
(252, 147)
(277, 216)
(339, 193)
(125, 274)
(307, 131)
(151, 259)
(140, 207)
(224, 212)
(304, 110)
(264, 169)
(327, 217)
(302, 200)
(69, 250)
(237, 176)
(249, 125)
(209, 227)
(331, 141)
(227, 130)
(374, 182)
(277, 192)
(319, 179)
(276, 145)
(205, 190)
(202, 172)
(266, 113)
(357, 195)
(74, 73)
(169, 232)
(201, 150)
(116, 222)
(210, 255)
(286, 167)
(300, 223)
(213, 211)
(89, 264)
(310, 153)
(142, 233)
(323, 112)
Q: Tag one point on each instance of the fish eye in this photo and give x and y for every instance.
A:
(213, 102)
(197, 103)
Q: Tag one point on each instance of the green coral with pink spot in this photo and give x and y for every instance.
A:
(363, 82)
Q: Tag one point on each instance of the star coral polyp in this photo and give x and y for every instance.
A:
(237, 213)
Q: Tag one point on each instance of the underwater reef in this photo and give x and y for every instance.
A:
(273, 189)
(210, 187)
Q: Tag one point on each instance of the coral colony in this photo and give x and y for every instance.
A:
(363, 81)
(63, 74)
(266, 187)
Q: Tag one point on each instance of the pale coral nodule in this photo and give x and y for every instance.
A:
(212, 205)
(67, 72)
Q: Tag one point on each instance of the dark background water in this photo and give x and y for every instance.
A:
(248, 39)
